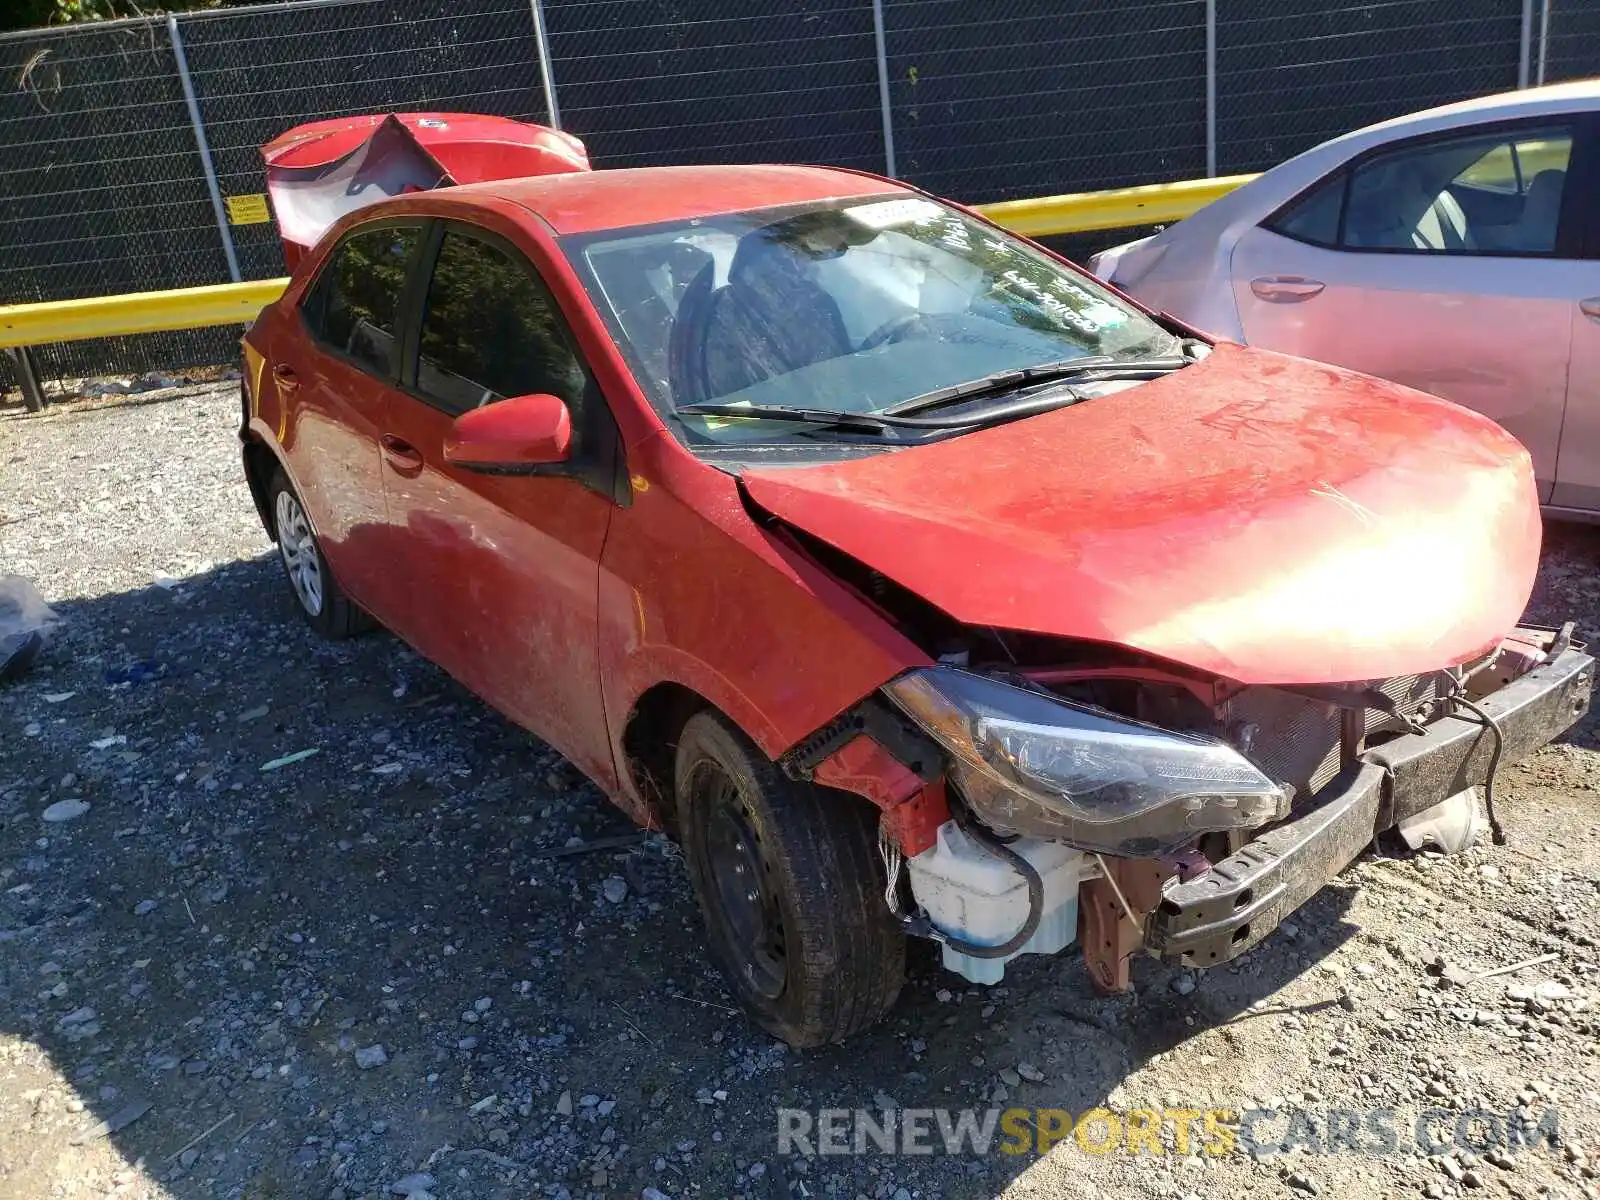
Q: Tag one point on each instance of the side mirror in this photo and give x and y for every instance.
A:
(511, 436)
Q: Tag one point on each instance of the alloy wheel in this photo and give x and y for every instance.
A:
(298, 548)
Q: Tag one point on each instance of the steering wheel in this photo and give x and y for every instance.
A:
(893, 330)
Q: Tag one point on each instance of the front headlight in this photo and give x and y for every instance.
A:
(1034, 765)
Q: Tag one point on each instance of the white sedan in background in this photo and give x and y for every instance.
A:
(1455, 250)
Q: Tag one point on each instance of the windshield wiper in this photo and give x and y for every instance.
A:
(1092, 368)
(833, 418)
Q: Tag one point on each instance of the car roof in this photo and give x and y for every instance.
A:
(1553, 100)
(615, 198)
(1530, 102)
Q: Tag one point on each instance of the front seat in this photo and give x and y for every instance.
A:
(686, 366)
(771, 318)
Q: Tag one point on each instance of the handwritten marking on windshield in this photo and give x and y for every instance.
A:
(1085, 314)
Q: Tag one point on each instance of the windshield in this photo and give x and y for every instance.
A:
(857, 305)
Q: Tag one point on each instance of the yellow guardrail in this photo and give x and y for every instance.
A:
(236, 303)
(139, 312)
(1119, 208)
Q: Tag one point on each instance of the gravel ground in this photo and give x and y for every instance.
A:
(371, 970)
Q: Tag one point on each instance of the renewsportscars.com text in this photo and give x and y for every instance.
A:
(1261, 1132)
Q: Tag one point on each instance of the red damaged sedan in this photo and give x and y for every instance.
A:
(919, 584)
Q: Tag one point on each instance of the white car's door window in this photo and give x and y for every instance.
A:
(1314, 217)
(1494, 193)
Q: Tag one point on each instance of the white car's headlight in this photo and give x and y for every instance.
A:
(1038, 766)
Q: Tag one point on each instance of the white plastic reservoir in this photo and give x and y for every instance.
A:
(977, 896)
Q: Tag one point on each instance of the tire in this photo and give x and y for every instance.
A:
(813, 952)
(316, 593)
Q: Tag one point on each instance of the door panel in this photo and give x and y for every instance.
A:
(334, 456)
(338, 358)
(502, 574)
(501, 571)
(1490, 333)
(1578, 468)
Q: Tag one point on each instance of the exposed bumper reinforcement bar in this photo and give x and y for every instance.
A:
(1221, 913)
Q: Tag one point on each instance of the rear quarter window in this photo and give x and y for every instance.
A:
(1314, 216)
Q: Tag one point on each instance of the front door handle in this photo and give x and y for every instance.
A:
(284, 376)
(1590, 308)
(401, 454)
(1285, 289)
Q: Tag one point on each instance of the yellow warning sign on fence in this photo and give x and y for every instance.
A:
(248, 210)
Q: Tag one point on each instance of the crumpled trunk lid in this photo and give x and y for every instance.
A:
(316, 173)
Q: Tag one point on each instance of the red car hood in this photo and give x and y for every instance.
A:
(1260, 517)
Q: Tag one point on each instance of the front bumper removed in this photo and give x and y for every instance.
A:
(1222, 912)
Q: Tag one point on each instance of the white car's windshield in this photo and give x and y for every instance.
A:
(855, 305)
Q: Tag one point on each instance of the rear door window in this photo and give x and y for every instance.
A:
(354, 307)
(491, 330)
(1483, 193)
(1462, 195)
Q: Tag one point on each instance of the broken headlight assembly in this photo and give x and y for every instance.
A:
(1033, 765)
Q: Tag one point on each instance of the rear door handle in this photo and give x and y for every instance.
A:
(401, 454)
(1285, 289)
(1590, 308)
(285, 377)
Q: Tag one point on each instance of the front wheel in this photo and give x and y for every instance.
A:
(791, 887)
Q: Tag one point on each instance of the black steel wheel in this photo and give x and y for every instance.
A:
(745, 889)
(791, 887)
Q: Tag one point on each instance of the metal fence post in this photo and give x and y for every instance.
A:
(547, 75)
(182, 61)
(1211, 89)
(1525, 57)
(881, 40)
(27, 379)
(1544, 41)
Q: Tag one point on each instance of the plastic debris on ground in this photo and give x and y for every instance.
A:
(142, 671)
(25, 621)
(288, 759)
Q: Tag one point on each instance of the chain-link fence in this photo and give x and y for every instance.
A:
(1009, 99)
(647, 82)
(260, 71)
(101, 187)
(1292, 73)
(105, 144)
